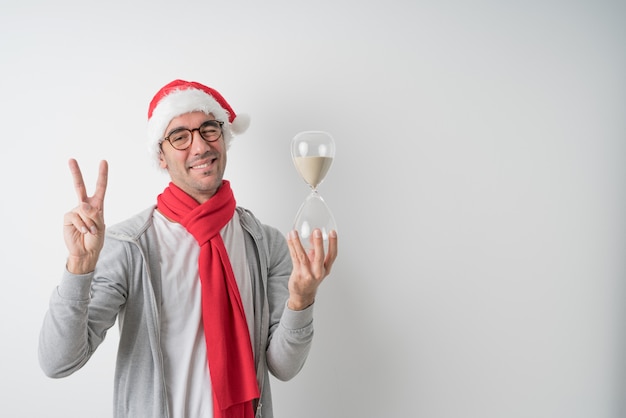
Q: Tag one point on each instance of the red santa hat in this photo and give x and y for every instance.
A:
(180, 97)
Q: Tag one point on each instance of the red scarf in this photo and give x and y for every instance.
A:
(229, 350)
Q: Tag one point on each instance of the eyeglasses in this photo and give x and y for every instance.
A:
(182, 138)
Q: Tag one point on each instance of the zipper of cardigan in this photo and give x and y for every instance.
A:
(164, 387)
(259, 349)
(160, 358)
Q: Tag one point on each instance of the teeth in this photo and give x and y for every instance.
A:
(200, 166)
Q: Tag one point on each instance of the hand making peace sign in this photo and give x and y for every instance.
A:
(83, 226)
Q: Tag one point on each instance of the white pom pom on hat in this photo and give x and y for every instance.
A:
(179, 97)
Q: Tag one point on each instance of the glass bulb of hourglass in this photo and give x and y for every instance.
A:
(312, 153)
(314, 214)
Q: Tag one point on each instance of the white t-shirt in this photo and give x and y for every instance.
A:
(187, 377)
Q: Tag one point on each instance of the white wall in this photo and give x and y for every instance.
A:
(479, 187)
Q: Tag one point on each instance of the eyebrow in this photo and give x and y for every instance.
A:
(185, 127)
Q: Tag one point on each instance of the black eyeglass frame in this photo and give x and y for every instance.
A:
(191, 131)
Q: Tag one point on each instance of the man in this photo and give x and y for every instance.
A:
(209, 301)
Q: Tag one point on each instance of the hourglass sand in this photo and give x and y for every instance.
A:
(312, 153)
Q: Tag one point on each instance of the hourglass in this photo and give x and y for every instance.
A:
(312, 153)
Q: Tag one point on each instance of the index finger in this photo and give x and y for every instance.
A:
(79, 184)
(295, 248)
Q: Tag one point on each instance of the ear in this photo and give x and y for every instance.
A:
(162, 162)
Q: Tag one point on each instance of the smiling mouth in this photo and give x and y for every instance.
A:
(195, 167)
(206, 164)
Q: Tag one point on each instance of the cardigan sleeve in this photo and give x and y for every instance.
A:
(81, 310)
(291, 332)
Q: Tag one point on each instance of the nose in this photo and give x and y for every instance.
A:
(198, 144)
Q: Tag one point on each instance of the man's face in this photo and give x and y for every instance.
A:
(199, 169)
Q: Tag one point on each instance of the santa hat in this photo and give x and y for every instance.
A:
(180, 97)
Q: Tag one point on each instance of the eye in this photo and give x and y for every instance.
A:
(208, 131)
(178, 136)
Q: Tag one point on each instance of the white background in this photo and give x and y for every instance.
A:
(478, 186)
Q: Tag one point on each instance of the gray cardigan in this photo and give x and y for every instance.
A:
(126, 285)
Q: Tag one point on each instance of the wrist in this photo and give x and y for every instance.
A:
(296, 304)
(78, 265)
